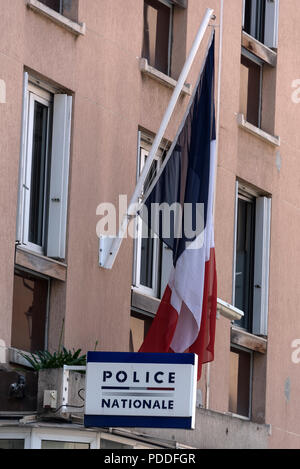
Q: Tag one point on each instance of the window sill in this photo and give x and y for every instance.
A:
(15, 357)
(41, 264)
(228, 311)
(247, 340)
(149, 304)
(260, 50)
(78, 29)
(261, 134)
(160, 77)
(143, 302)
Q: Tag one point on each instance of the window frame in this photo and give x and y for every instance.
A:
(258, 62)
(56, 182)
(14, 434)
(269, 23)
(45, 98)
(170, 5)
(251, 353)
(261, 261)
(154, 291)
(63, 435)
(20, 359)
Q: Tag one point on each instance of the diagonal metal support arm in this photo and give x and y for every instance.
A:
(109, 246)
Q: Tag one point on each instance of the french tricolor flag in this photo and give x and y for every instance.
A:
(186, 318)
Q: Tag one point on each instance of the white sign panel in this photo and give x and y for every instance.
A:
(141, 390)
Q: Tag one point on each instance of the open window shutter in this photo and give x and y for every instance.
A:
(243, 13)
(19, 226)
(166, 267)
(261, 266)
(58, 193)
(271, 23)
(135, 251)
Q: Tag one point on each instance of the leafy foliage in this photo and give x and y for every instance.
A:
(46, 360)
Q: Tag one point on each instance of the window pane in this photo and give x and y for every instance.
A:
(245, 261)
(255, 12)
(38, 174)
(250, 91)
(240, 382)
(147, 252)
(139, 327)
(109, 444)
(54, 4)
(68, 8)
(47, 444)
(29, 312)
(148, 243)
(11, 444)
(157, 34)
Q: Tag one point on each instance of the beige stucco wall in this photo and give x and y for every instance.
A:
(112, 99)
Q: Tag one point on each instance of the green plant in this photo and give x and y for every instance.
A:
(45, 360)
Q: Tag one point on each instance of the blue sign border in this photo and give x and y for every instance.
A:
(137, 421)
(128, 357)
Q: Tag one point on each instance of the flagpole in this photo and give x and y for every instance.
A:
(109, 247)
(207, 394)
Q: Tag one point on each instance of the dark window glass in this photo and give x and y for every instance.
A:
(29, 312)
(240, 382)
(250, 93)
(38, 174)
(245, 261)
(54, 4)
(254, 22)
(68, 8)
(11, 444)
(148, 242)
(156, 44)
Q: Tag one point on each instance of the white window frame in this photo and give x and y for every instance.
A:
(57, 172)
(34, 95)
(15, 434)
(271, 22)
(70, 436)
(154, 291)
(261, 257)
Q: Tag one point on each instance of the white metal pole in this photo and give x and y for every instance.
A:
(221, 15)
(113, 249)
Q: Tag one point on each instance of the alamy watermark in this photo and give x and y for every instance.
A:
(296, 92)
(169, 220)
(295, 357)
(2, 92)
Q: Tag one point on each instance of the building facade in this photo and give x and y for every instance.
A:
(84, 85)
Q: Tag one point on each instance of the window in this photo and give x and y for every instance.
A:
(68, 8)
(30, 308)
(153, 260)
(251, 267)
(48, 444)
(251, 88)
(44, 170)
(11, 444)
(139, 327)
(240, 382)
(157, 41)
(260, 20)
